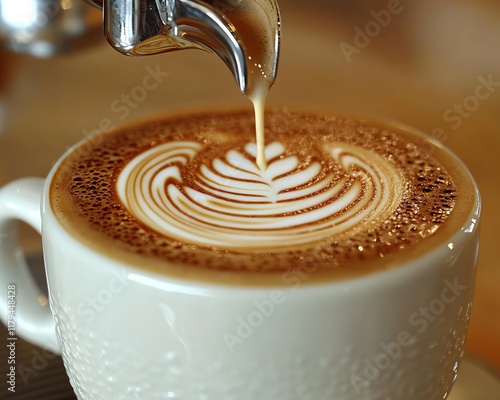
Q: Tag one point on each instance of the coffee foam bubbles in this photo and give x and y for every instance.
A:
(232, 204)
(396, 188)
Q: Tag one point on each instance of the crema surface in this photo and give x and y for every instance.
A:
(336, 193)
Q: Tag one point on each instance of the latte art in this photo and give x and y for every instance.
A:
(185, 194)
(232, 204)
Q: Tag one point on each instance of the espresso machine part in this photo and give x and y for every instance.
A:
(238, 31)
(245, 34)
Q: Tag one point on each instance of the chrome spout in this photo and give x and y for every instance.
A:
(234, 30)
(245, 34)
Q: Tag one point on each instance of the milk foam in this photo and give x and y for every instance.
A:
(235, 204)
(337, 193)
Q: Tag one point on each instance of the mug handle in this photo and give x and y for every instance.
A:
(24, 309)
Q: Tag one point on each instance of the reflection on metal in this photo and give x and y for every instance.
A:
(44, 28)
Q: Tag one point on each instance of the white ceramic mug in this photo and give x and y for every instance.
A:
(126, 333)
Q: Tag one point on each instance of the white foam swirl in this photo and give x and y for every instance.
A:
(232, 204)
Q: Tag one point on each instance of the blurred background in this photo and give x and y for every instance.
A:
(433, 65)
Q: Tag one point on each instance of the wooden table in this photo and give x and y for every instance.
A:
(428, 59)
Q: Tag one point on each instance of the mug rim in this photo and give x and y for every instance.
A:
(412, 255)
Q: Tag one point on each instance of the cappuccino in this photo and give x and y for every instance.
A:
(184, 195)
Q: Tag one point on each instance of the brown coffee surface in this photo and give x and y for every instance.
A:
(433, 195)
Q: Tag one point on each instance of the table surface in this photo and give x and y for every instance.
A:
(423, 67)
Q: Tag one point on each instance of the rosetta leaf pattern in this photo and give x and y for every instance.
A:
(236, 204)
